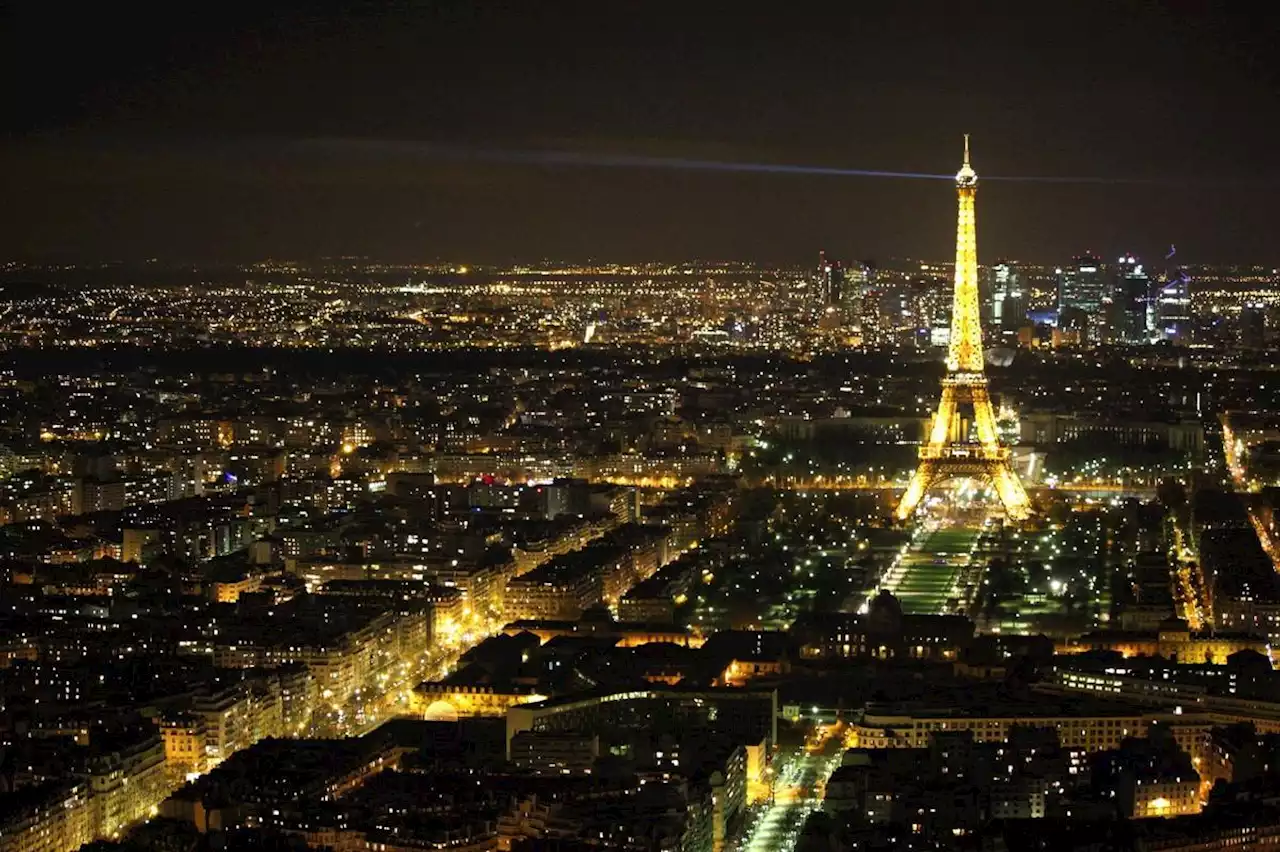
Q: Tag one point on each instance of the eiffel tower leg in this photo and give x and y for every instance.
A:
(920, 482)
(941, 426)
(1010, 491)
(984, 418)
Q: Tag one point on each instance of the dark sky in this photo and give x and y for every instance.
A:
(243, 133)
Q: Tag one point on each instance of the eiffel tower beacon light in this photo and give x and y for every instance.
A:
(962, 440)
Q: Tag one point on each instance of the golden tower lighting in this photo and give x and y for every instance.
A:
(962, 434)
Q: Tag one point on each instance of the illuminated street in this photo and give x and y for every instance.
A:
(797, 792)
(1188, 595)
(1234, 451)
(389, 693)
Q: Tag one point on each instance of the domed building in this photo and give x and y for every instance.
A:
(884, 632)
(884, 614)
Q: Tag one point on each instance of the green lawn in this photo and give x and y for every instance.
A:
(927, 585)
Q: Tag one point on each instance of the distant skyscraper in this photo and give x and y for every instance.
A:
(986, 295)
(1126, 313)
(835, 284)
(858, 275)
(831, 280)
(1253, 327)
(1082, 285)
(1173, 308)
(1008, 300)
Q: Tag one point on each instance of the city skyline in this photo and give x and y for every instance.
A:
(309, 544)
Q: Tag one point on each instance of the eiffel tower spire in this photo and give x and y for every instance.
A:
(962, 437)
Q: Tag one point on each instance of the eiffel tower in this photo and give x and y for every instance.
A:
(962, 434)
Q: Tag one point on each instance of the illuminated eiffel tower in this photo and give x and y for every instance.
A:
(962, 434)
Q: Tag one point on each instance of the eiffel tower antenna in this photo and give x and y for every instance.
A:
(962, 437)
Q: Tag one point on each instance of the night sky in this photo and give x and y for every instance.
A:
(242, 134)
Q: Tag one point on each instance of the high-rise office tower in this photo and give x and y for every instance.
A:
(1008, 300)
(857, 276)
(1081, 285)
(986, 296)
(831, 280)
(962, 439)
(1172, 308)
(1126, 315)
(866, 305)
(1253, 327)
